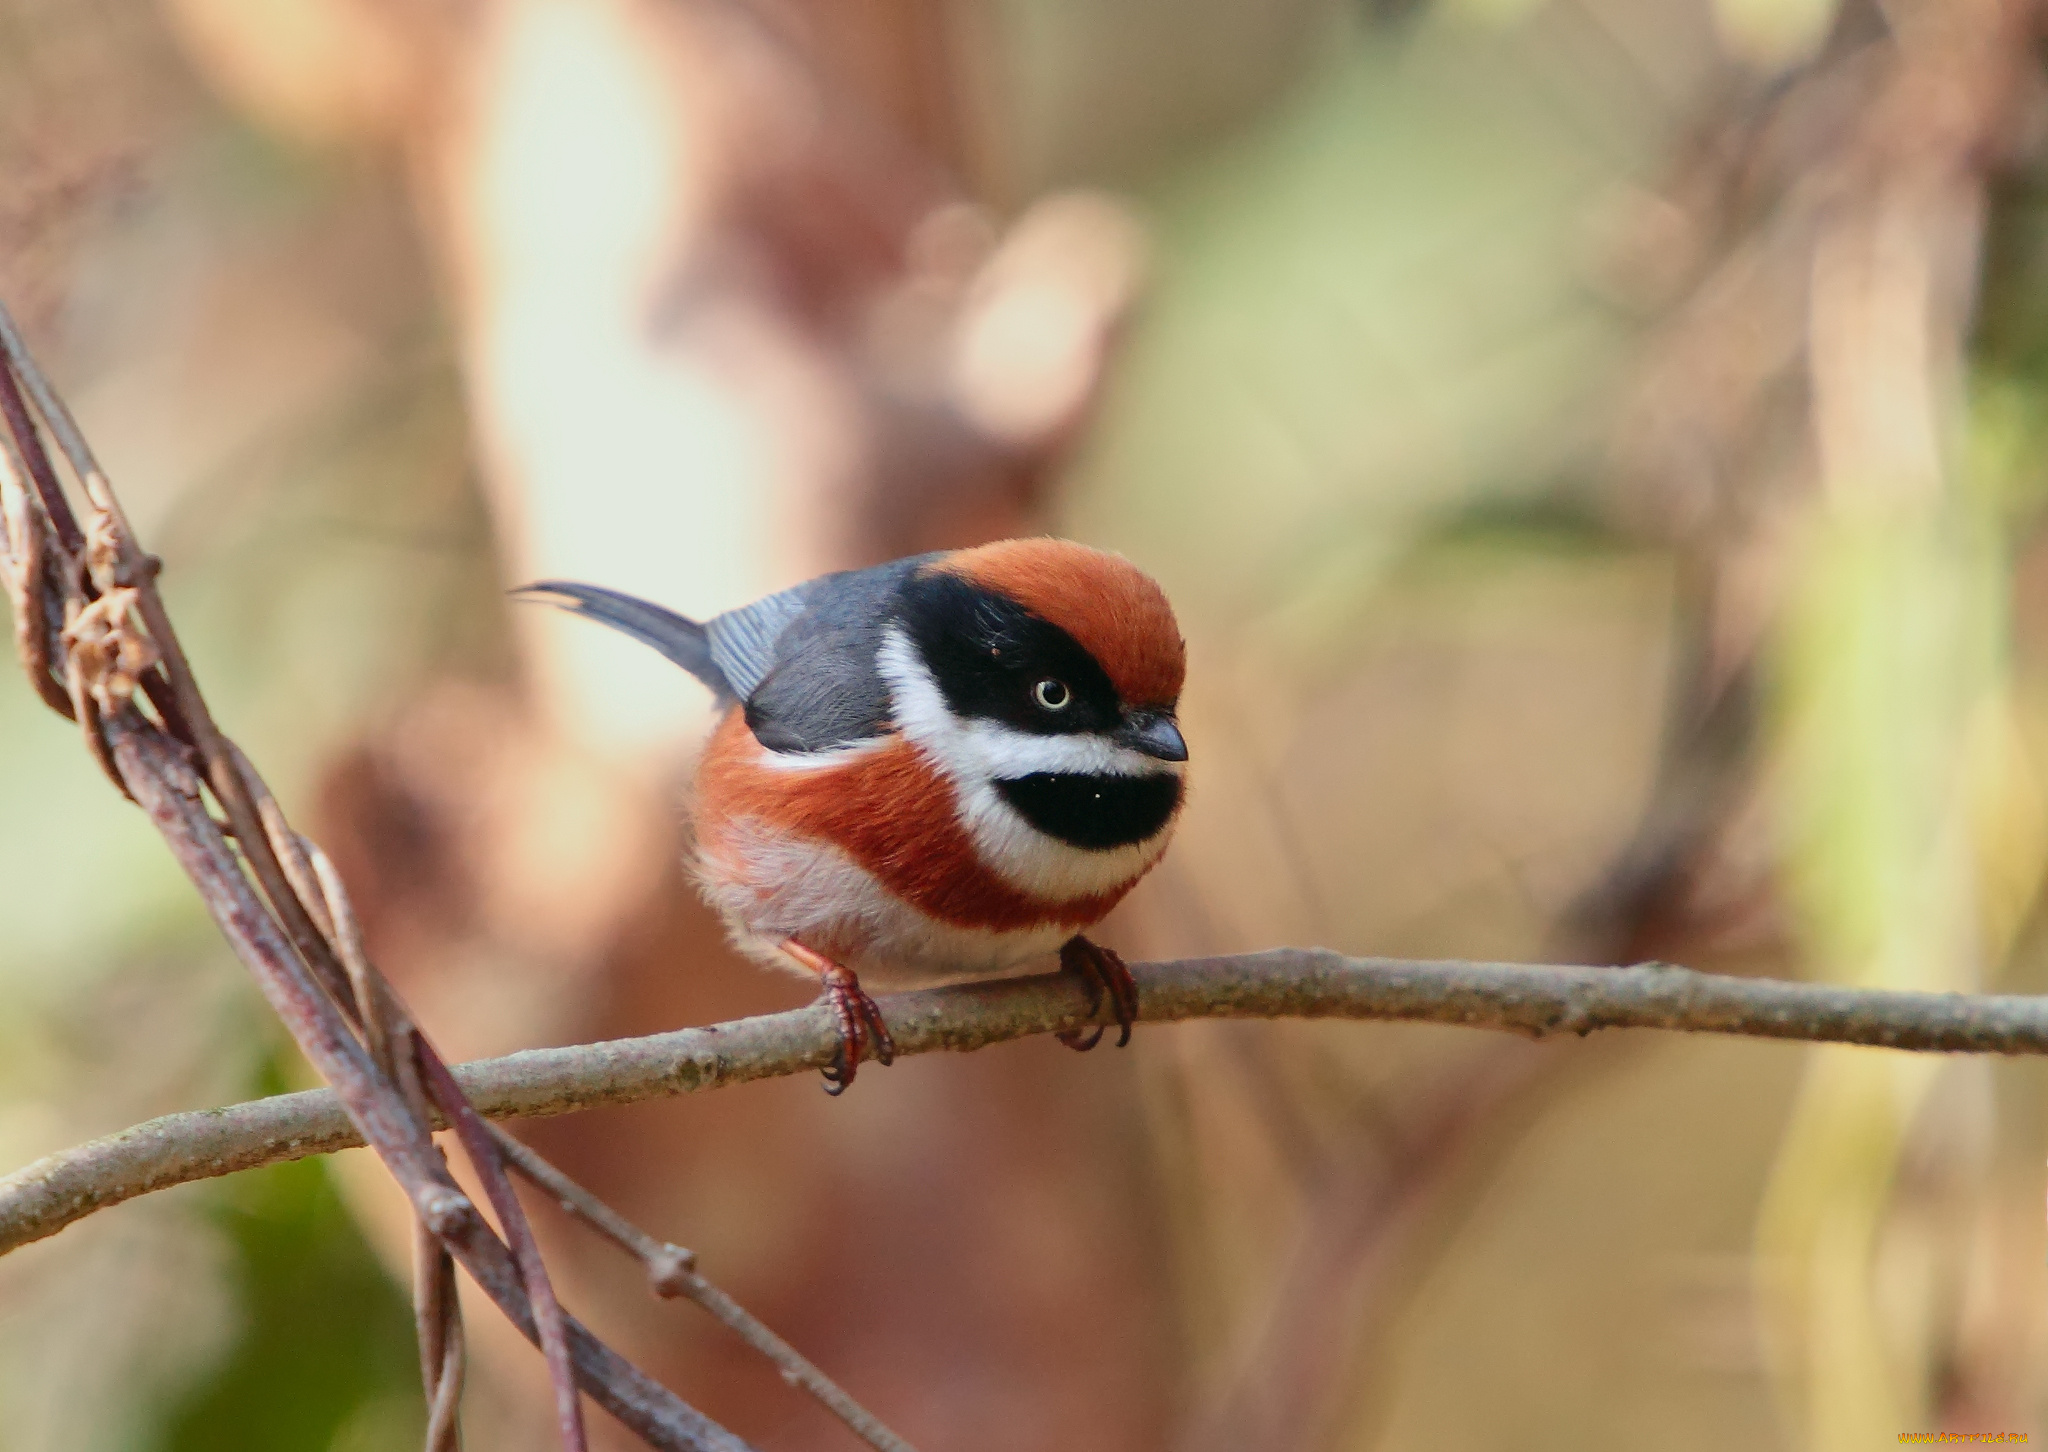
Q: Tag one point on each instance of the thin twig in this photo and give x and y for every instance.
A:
(437, 1324)
(21, 428)
(672, 1271)
(405, 1055)
(28, 582)
(168, 792)
(295, 944)
(550, 1320)
(384, 1025)
(1536, 1001)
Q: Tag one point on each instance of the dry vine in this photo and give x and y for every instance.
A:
(99, 648)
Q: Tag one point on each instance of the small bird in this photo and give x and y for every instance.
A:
(935, 769)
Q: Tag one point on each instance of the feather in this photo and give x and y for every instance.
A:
(743, 640)
(678, 637)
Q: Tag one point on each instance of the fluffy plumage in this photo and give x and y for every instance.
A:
(943, 767)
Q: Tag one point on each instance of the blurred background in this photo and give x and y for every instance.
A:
(1599, 453)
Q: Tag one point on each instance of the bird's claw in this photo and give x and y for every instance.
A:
(861, 1027)
(1102, 971)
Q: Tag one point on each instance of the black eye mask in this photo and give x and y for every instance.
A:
(988, 655)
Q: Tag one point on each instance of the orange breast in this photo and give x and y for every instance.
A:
(893, 813)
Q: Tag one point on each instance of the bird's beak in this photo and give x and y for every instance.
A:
(1154, 733)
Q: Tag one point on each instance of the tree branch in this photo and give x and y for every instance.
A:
(50, 1194)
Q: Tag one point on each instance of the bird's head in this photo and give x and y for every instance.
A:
(1052, 673)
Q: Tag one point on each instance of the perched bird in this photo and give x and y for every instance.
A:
(940, 768)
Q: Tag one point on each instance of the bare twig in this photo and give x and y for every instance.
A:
(672, 1271)
(1536, 1001)
(21, 428)
(437, 1325)
(388, 1035)
(550, 1320)
(342, 1015)
(167, 791)
(29, 588)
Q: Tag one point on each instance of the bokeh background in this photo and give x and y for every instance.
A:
(1598, 450)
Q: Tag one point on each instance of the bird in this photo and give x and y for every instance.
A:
(940, 769)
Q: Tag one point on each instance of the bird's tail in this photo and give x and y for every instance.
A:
(678, 637)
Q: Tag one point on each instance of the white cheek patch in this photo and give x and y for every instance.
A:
(989, 749)
(974, 755)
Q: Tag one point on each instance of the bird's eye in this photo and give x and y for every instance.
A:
(1052, 695)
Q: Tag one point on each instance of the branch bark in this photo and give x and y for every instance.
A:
(1536, 1001)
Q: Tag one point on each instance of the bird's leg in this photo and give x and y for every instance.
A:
(1103, 972)
(860, 1021)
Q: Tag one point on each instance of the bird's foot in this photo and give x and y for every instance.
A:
(861, 1027)
(1103, 972)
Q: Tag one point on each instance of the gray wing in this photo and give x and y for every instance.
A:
(802, 660)
(743, 640)
(818, 685)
